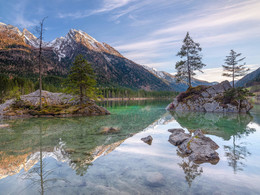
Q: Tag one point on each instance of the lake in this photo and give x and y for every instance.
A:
(72, 156)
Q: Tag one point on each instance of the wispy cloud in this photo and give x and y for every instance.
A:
(238, 13)
(217, 24)
(18, 16)
(107, 6)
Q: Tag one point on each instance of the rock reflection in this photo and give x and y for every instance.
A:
(226, 125)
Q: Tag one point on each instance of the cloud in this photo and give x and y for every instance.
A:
(214, 25)
(215, 74)
(19, 18)
(240, 12)
(107, 6)
(160, 64)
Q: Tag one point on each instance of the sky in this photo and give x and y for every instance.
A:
(150, 32)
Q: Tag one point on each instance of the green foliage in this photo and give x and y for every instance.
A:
(121, 92)
(191, 52)
(81, 79)
(232, 68)
(14, 87)
(233, 95)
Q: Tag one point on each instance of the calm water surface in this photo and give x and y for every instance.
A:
(72, 156)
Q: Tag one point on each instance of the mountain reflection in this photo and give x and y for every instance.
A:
(39, 175)
(76, 141)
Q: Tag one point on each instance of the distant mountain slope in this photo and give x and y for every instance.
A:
(18, 55)
(172, 81)
(250, 79)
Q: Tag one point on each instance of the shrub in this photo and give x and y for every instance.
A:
(234, 95)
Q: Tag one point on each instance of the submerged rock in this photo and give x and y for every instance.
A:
(208, 99)
(154, 179)
(147, 139)
(198, 147)
(106, 130)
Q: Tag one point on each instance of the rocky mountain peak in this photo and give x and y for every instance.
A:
(8, 27)
(30, 39)
(28, 34)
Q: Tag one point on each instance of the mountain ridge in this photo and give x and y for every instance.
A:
(252, 78)
(111, 67)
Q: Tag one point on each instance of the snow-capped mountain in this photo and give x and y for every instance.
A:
(64, 46)
(110, 66)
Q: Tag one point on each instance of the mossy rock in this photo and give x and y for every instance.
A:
(192, 93)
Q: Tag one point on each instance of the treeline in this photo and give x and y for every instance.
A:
(14, 86)
(111, 92)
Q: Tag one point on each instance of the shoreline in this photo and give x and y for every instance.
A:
(134, 98)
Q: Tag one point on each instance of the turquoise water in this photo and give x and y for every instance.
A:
(73, 156)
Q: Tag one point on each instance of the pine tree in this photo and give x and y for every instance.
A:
(232, 68)
(191, 52)
(81, 79)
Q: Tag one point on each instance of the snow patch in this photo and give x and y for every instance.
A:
(107, 58)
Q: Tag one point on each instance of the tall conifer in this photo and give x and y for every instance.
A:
(232, 68)
(190, 51)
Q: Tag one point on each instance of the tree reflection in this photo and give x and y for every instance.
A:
(190, 169)
(39, 175)
(236, 154)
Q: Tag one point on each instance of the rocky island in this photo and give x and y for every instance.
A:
(198, 147)
(209, 99)
(54, 104)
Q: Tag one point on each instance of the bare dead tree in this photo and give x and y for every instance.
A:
(40, 31)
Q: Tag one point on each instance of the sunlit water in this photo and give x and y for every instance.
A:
(71, 156)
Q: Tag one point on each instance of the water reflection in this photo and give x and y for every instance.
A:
(226, 125)
(190, 169)
(236, 155)
(40, 176)
(76, 141)
(223, 125)
(73, 150)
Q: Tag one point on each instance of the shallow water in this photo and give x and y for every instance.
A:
(72, 156)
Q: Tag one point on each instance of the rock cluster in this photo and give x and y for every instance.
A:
(206, 99)
(198, 147)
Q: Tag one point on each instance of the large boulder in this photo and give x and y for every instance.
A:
(198, 147)
(208, 99)
(178, 136)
